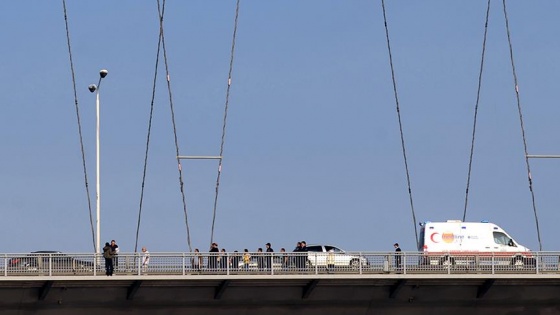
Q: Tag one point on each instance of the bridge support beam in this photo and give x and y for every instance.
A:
(131, 292)
(221, 289)
(396, 288)
(484, 288)
(44, 291)
(308, 289)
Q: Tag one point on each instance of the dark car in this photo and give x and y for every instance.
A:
(54, 261)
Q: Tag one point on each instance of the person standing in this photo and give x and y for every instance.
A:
(109, 255)
(269, 255)
(115, 248)
(196, 261)
(213, 259)
(296, 259)
(285, 258)
(303, 257)
(235, 258)
(223, 258)
(246, 259)
(260, 259)
(145, 259)
(398, 262)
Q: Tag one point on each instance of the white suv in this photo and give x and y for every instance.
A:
(324, 255)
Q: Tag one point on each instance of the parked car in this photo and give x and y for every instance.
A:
(325, 255)
(255, 262)
(49, 260)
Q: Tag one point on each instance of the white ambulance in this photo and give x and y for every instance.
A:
(470, 243)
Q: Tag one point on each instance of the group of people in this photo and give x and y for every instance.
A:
(219, 259)
(262, 259)
(111, 252)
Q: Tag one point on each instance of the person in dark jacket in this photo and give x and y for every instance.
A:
(269, 255)
(295, 259)
(108, 254)
(213, 259)
(303, 257)
(398, 262)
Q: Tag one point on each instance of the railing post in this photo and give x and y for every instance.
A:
(139, 264)
(50, 263)
(5, 265)
(227, 263)
(184, 263)
(404, 263)
(360, 262)
(271, 264)
(316, 265)
(537, 259)
(493, 263)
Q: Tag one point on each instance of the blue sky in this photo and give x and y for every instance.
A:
(312, 149)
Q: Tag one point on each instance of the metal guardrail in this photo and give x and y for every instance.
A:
(57, 264)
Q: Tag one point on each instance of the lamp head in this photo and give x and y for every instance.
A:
(103, 73)
(92, 88)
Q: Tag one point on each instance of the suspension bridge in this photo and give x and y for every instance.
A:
(171, 284)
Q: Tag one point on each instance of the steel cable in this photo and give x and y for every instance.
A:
(148, 141)
(180, 169)
(476, 111)
(79, 123)
(400, 121)
(522, 125)
(224, 122)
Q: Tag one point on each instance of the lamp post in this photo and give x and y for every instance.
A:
(95, 88)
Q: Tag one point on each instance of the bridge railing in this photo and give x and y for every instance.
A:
(55, 264)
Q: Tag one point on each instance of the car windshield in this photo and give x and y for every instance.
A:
(334, 249)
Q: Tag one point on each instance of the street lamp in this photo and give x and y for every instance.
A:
(93, 88)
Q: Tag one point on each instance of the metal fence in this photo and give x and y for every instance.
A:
(56, 264)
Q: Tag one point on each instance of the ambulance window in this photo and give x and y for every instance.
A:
(501, 238)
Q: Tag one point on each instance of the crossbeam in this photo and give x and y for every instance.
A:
(199, 157)
(536, 156)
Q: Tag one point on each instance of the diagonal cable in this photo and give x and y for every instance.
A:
(400, 121)
(179, 167)
(522, 126)
(79, 124)
(476, 111)
(148, 141)
(224, 122)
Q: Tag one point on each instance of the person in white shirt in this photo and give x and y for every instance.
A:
(145, 259)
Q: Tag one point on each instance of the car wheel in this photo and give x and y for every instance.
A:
(355, 264)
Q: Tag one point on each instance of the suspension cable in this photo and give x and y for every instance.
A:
(179, 167)
(224, 122)
(522, 126)
(148, 140)
(79, 124)
(476, 111)
(400, 122)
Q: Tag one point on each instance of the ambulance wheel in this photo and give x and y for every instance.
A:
(447, 261)
(518, 262)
